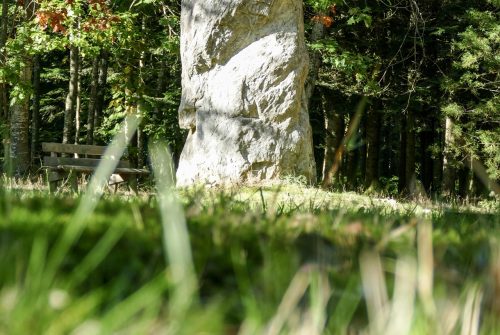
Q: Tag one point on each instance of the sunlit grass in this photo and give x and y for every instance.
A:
(279, 259)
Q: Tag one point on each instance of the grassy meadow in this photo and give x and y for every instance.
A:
(285, 259)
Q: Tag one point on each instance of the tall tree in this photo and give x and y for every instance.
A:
(410, 171)
(403, 133)
(449, 164)
(19, 125)
(4, 105)
(19, 105)
(373, 148)
(94, 86)
(317, 33)
(335, 127)
(472, 105)
(35, 109)
(71, 98)
(101, 88)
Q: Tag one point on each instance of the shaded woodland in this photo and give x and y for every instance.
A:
(403, 96)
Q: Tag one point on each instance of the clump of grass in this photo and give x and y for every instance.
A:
(270, 260)
(257, 272)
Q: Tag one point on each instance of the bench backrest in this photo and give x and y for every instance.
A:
(76, 150)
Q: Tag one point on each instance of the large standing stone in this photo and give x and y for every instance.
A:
(244, 64)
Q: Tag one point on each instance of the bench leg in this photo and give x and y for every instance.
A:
(53, 178)
(132, 183)
(53, 186)
(113, 187)
(73, 181)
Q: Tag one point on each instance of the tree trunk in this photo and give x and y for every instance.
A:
(71, 98)
(478, 187)
(449, 171)
(410, 172)
(35, 112)
(78, 110)
(352, 129)
(318, 32)
(93, 99)
(141, 136)
(19, 129)
(101, 88)
(352, 168)
(372, 147)
(141, 148)
(161, 83)
(161, 80)
(362, 153)
(437, 174)
(464, 181)
(386, 161)
(4, 104)
(4, 27)
(402, 155)
(317, 121)
(335, 127)
(389, 140)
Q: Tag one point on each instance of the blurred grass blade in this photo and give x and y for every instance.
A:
(346, 307)
(495, 277)
(291, 299)
(253, 318)
(124, 312)
(34, 277)
(472, 311)
(175, 232)
(403, 301)
(320, 295)
(96, 255)
(94, 191)
(426, 268)
(72, 316)
(447, 316)
(375, 291)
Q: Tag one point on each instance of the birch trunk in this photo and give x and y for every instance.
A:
(35, 113)
(449, 171)
(19, 129)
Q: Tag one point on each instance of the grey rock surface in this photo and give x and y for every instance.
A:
(244, 64)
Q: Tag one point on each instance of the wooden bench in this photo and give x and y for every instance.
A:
(68, 161)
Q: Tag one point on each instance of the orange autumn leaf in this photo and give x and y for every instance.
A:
(54, 19)
(327, 21)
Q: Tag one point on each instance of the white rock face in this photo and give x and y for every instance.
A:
(244, 64)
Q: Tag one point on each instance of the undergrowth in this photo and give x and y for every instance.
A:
(266, 261)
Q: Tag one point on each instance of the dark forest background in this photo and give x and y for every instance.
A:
(403, 95)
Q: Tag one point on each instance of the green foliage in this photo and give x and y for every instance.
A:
(349, 68)
(433, 59)
(473, 88)
(360, 15)
(319, 5)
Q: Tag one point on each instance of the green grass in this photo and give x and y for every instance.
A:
(273, 260)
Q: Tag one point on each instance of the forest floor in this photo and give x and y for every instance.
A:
(285, 259)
